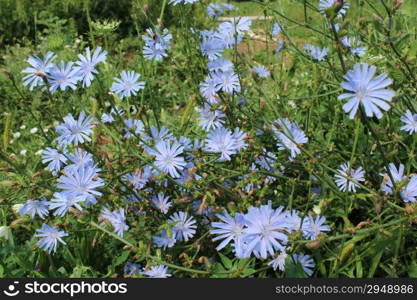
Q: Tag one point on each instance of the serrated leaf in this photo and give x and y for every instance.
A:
(412, 50)
(379, 245)
(346, 251)
(121, 259)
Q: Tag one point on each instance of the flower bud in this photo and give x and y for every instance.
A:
(17, 207)
(16, 223)
(8, 74)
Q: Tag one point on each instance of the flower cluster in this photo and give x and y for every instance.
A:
(340, 7)
(159, 271)
(157, 43)
(79, 179)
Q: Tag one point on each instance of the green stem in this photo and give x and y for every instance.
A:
(305, 11)
(291, 20)
(29, 100)
(358, 232)
(90, 27)
(161, 16)
(411, 153)
(185, 269)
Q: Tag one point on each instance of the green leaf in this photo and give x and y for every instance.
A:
(380, 245)
(24, 264)
(346, 251)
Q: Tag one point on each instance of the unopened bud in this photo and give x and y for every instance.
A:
(76, 212)
(363, 224)
(378, 18)
(378, 206)
(16, 223)
(4, 232)
(127, 247)
(40, 74)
